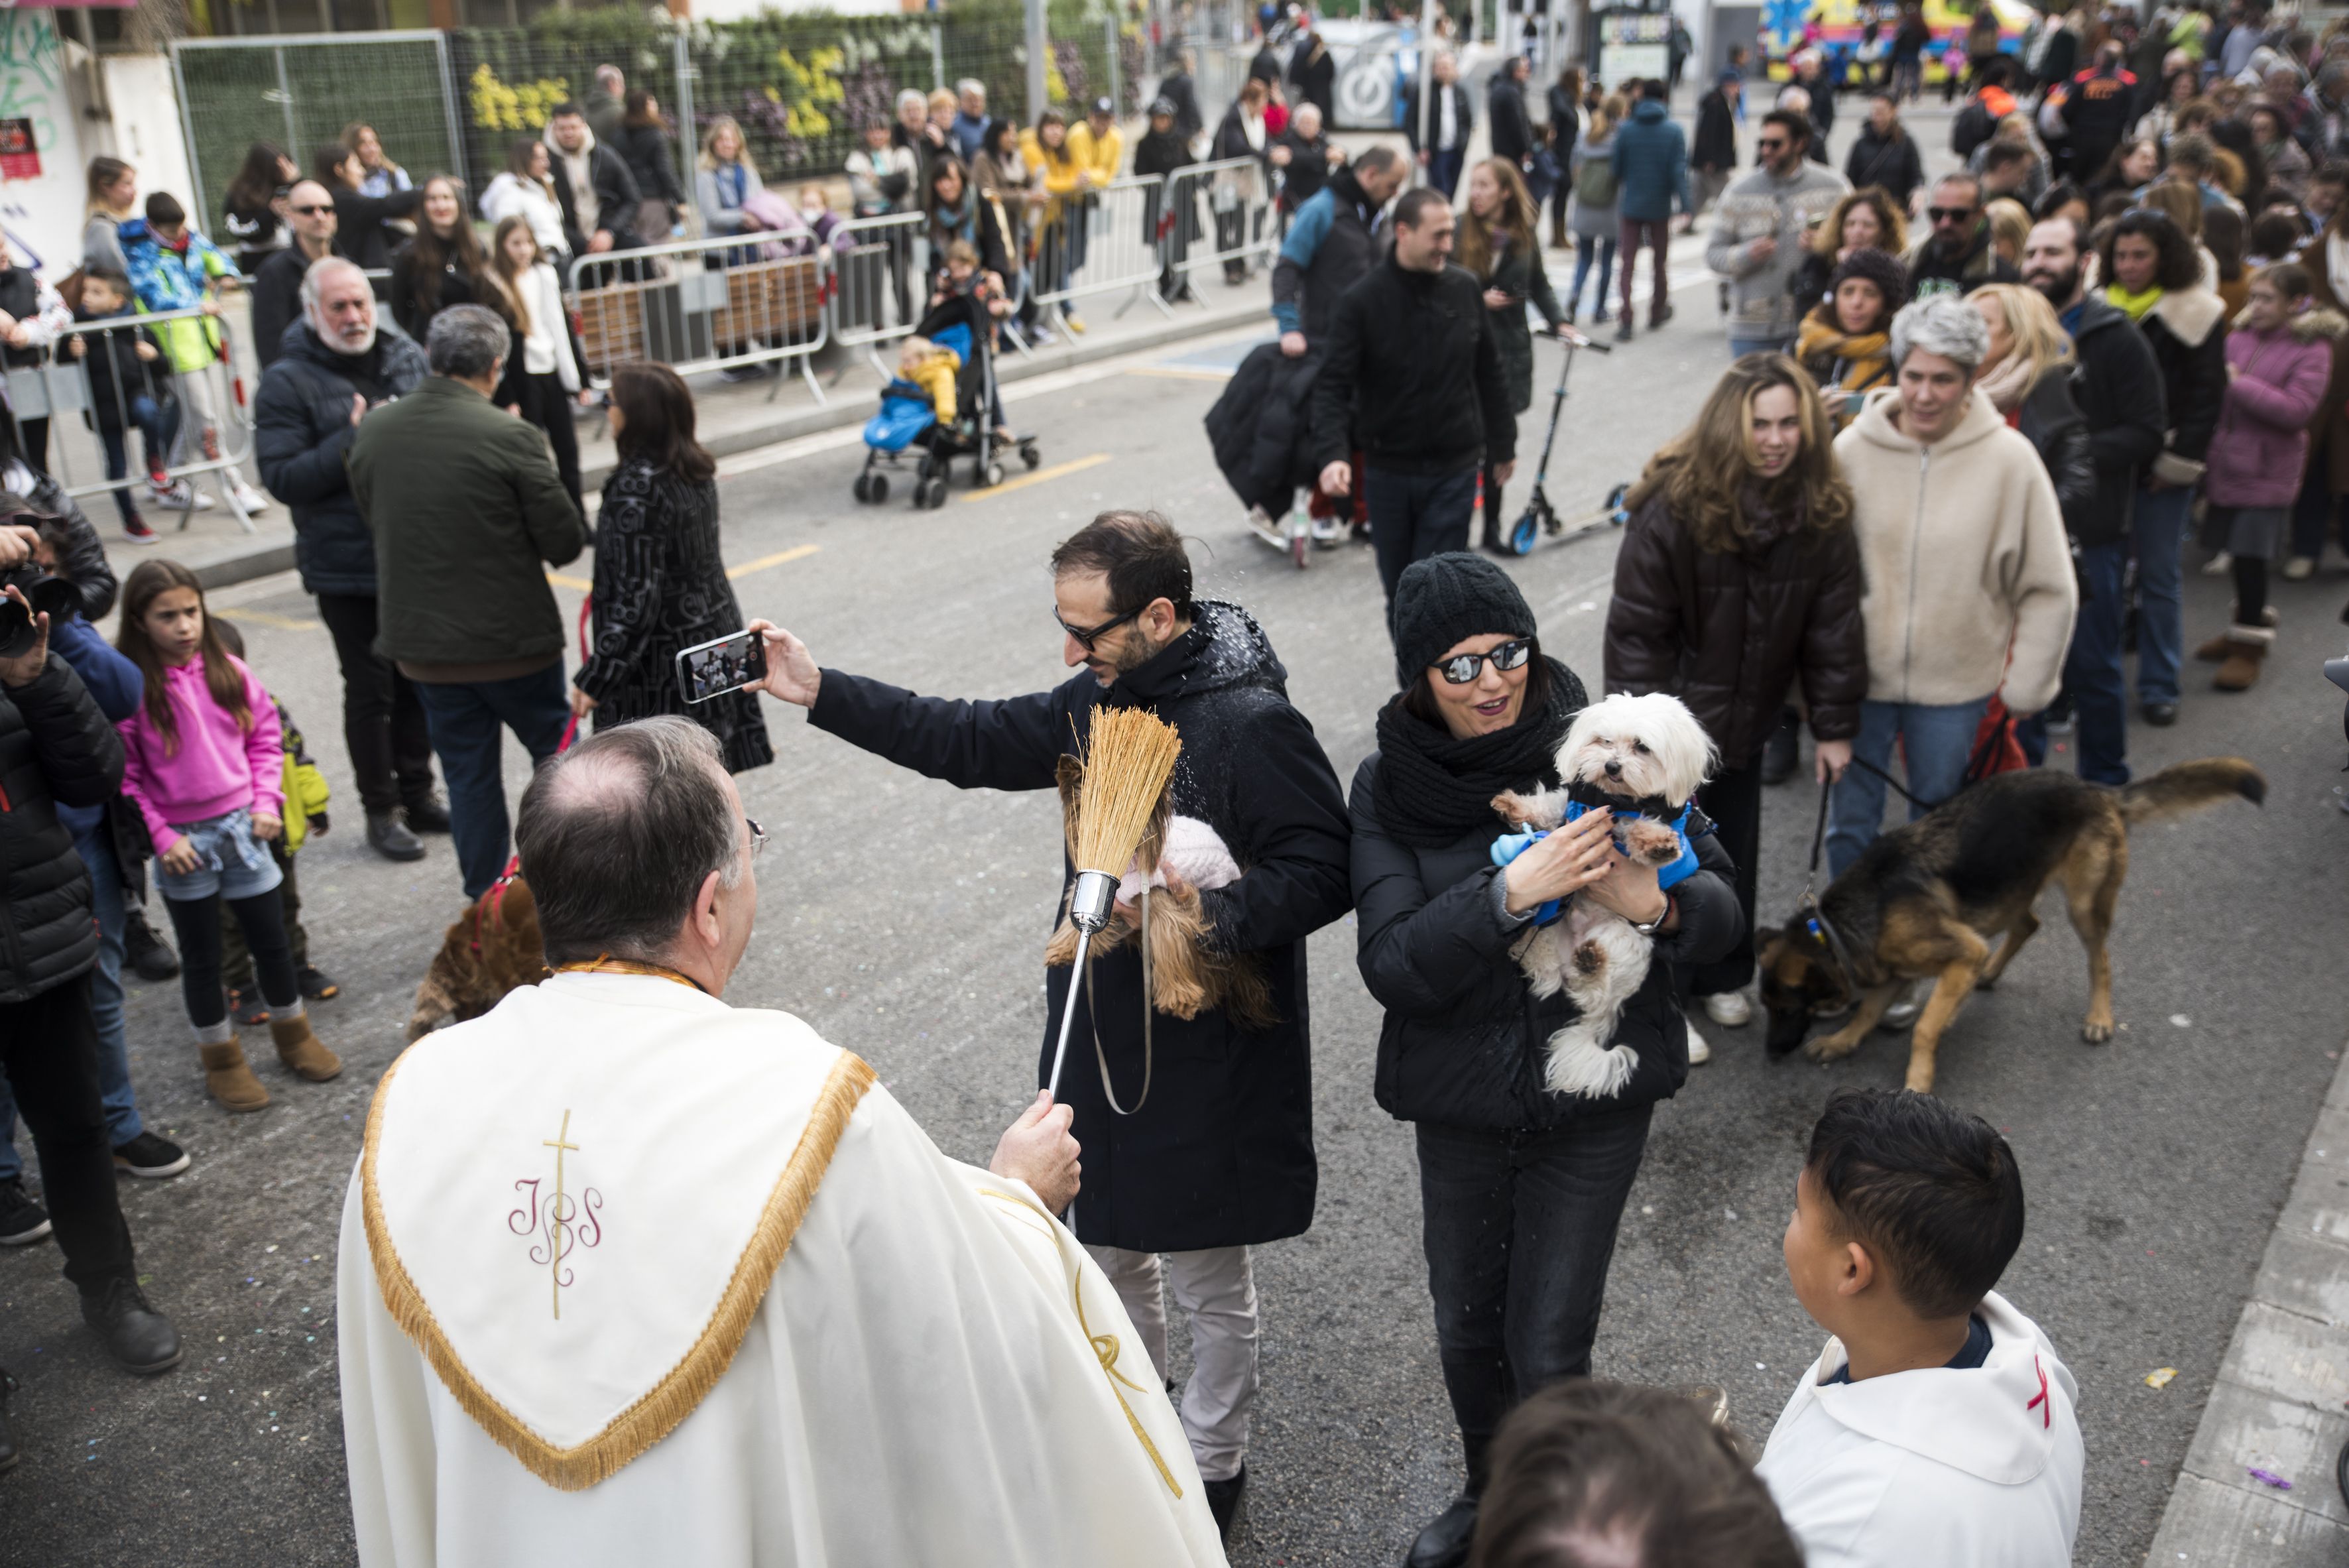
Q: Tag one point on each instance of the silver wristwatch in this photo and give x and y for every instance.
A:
(1648, 928)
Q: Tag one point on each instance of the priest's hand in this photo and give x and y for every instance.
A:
(792, 672)
(1039, 1150)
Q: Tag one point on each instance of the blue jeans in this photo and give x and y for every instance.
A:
(467, 721)
(1415, 516)
(1443, 168)
(2093, 669)
(158, 427)
(122, 1123)
(2162, 518)
(1937, 741)
(1587, 249)
(1519, 1229)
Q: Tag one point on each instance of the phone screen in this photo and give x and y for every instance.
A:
(714, 668)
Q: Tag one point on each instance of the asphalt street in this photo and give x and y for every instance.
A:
(905, 921)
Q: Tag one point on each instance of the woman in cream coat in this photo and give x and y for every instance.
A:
(1970, 587)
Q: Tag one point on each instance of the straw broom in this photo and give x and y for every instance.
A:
(1128, 760)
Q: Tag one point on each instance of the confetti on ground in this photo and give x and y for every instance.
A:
(2181, 1020)
(1730, 1213)
(2159, 1377)
(2268, 1478)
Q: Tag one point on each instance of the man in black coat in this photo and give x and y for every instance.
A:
(1442, 145)
(56, 749)
(592, 183)
(332, 367)
(1163, 150)
(2118, 387)
(1513, 138)
(277, 285)
(1712, 156)
(1313, 72)
(1414, 381)
(2099, 108)
(1177, 87)
(1217, 1154)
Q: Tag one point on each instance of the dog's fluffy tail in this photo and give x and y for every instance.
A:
(1580, 1065)
(2190, 786)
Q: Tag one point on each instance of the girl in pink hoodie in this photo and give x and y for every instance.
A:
(2279, 364)
(202, 761)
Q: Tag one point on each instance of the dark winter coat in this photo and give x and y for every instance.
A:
(2099, 108)
(1308, 169)
(1464, 1041)
(1517, 272)
(1313, 70)
(302, 431)
(1512, 128)
(467, 513)
(117, 377)
(1221, 1154)
(2186, 330)
(1261, 427)
(359, 223)
(2118, 388)
(651, 159)
(1932, 270)
(1463, 115)
(411, 309)
(2328, 437)
(55, 749)
(616, 196)
(660, 588)
(1331, 245)
(82, 557)
(1566, 125)
(2052, 422)
(277, 290)
(1413, 377)
(1177, 89)
(1891, 162)
(1651, 165)
(1716, 134)
(1728, 632)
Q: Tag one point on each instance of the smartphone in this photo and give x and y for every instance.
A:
(725, 664)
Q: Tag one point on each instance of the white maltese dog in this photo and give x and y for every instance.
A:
(1642, 757)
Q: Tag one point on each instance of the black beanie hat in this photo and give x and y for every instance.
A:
(1879, 267)
(1447, 598)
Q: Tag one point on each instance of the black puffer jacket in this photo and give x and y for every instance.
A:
(1413, 375)
(2118, 388)
(1518, 272)
(1464, 1040)
(1221, 1154)
(85, 564)
(1307, 285)
(2050, 421)
(302, 431)
(2186, 330)
(1261, 427)
(56, 749)
(1727, 632)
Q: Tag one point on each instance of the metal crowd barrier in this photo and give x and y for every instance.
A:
(198, 421)
(1237, 224)
(883, 286)
(1101, 242)
(724, 302)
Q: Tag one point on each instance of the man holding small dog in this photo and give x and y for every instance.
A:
(1216, 1153)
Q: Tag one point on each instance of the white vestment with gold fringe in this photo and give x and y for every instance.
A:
(629, 1276)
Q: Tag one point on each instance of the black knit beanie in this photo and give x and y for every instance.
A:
(1447, 598)
(1879, 267)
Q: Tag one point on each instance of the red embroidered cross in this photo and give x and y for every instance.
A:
(2047, 1417)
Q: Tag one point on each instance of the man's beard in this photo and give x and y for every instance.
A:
(2057, 288)
(353, 345)
(1132, 653)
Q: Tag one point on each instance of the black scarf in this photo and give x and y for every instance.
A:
(1432, 789)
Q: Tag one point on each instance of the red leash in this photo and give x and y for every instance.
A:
(492, 900)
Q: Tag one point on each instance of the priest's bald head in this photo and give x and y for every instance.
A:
(635, 847)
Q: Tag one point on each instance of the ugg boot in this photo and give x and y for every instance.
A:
(228, 1080)
(2215, 650)
(2247, 646)
(299, 1048)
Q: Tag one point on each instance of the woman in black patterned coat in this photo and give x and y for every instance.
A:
(660, 582)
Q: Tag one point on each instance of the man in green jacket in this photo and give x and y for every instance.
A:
(464, 505)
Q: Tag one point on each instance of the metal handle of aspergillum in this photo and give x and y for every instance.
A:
(1089, 911)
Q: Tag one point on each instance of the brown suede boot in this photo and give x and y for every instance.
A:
(2215, 650)
(228, 1080)
(300, 1049)
(2247, 646)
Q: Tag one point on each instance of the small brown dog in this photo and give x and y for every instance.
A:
(1188, 976)
(1922, 901)
(491, 949)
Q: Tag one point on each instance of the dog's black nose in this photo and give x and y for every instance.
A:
(1614, 770)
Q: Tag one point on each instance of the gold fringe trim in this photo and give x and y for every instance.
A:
(1105, 1348)
(686, 1385)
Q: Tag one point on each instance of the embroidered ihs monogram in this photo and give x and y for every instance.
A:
(562, 1222)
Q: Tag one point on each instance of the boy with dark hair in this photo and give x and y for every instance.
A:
(1937, 1427)
(128, 386)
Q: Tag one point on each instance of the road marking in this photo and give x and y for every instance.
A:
(796, 552)
(1181, 373)
(264, 618)
(1057, 471)
(560, 581)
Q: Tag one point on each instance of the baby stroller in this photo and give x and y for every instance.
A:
(907, 422)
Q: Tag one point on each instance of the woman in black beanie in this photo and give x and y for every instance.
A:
(1520, 1188)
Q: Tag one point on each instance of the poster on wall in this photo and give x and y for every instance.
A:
(1634, 44)
(20, 153)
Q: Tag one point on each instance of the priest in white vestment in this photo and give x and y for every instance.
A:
(633, 1277)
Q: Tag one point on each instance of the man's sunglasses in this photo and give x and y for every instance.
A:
(314, 209)
(1087, 636)
(1771, 144)
(1461, 670)
(1949, 214)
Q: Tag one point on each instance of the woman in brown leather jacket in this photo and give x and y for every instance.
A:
(1739, 571)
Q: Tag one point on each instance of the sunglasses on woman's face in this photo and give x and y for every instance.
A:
(1461, 670)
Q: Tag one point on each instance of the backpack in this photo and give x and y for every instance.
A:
(1594, 183)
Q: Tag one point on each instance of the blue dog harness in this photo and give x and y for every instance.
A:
(1509, 846)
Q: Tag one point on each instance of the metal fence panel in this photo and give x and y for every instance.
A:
(1229, 206)
(1104, 242)
(881, 287)
(699, 305)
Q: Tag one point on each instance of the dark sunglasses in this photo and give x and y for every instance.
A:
(314, 209)
(1086, 636)
(1949, 214)
(1461, 670)
(1771, 144)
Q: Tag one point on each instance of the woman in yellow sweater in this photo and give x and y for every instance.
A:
(1068, 181)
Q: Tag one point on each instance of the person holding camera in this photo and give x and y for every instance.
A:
(56, 749)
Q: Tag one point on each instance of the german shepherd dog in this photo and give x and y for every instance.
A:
(1925, 899)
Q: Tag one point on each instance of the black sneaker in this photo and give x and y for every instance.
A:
(1444, 1542)
(150, 1157)
(22, 1221)
(9, 1454)
(149, 955)
(315, 986)
(390, 838)
(140, 1340)
(429, 814)
(1224, 1500)
(246, 1007)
